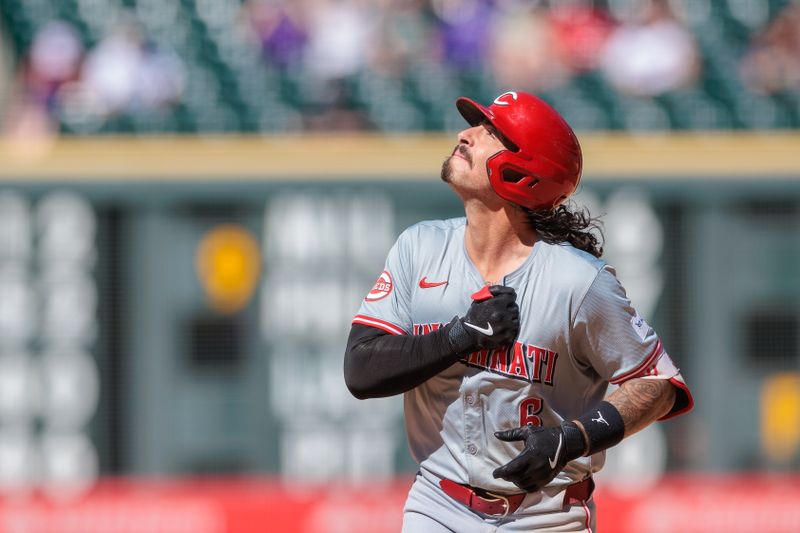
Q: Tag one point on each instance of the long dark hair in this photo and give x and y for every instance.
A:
(561, 224)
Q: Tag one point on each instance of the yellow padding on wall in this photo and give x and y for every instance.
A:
(780, 417)
(370, 157)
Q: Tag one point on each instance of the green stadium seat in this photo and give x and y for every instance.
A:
(580, 112)
(762, 112)
(692, 109)
(642, 114)
(276, 117)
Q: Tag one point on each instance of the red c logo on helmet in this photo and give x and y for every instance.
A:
(499, 99)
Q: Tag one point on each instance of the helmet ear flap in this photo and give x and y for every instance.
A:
(518, 176)
(514, 179)
(510, 180)
(514, 170)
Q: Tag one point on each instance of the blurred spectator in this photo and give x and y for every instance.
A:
(52, 62)
(280, 27)
(340, 33)
(773, 62)
(464, 31)
(651, 55)
(54, 59)
(581, 32)
(125, 74)
(404, 37)
(29, 129)
(521, 50)
(111, 69)
(161, 79)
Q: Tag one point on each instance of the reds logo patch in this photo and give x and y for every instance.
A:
(382, 287)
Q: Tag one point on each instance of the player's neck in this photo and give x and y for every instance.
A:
(497, 241)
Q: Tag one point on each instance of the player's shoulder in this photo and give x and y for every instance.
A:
(439, 226)
(433, 230)
(574, 267)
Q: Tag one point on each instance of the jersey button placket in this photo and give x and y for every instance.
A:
(472, 417)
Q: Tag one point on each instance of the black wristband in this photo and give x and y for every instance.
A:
(460, 339)
(604, 427)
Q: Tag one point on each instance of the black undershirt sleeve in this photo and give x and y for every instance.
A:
(377, 364)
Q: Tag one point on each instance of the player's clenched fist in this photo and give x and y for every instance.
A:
(546, 452)
(491, 321)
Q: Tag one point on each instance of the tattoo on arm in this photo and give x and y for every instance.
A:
(642, 402)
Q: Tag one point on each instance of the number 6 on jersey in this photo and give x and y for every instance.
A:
(529, 408)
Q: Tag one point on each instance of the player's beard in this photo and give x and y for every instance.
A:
(447, 169)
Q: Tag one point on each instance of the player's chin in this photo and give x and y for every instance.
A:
(447, 170)
(450, 170)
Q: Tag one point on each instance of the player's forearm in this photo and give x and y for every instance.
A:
(642, 401)
(377, 364)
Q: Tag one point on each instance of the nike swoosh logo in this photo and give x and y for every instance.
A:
(554, 460)
(424, 284)
(486, 331)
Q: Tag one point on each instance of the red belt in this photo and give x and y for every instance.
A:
(493, 504)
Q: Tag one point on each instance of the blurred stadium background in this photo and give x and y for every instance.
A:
(195, 195)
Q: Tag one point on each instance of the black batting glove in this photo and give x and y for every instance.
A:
(492, 321)
(546, 452)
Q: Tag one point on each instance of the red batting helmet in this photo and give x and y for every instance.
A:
(546, 166)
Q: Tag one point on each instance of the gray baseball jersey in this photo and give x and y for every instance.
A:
(578, 333)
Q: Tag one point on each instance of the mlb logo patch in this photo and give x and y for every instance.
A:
(640, 325)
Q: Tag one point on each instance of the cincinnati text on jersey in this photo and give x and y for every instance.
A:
(521, 361)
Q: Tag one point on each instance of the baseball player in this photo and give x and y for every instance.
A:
(503, 330)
